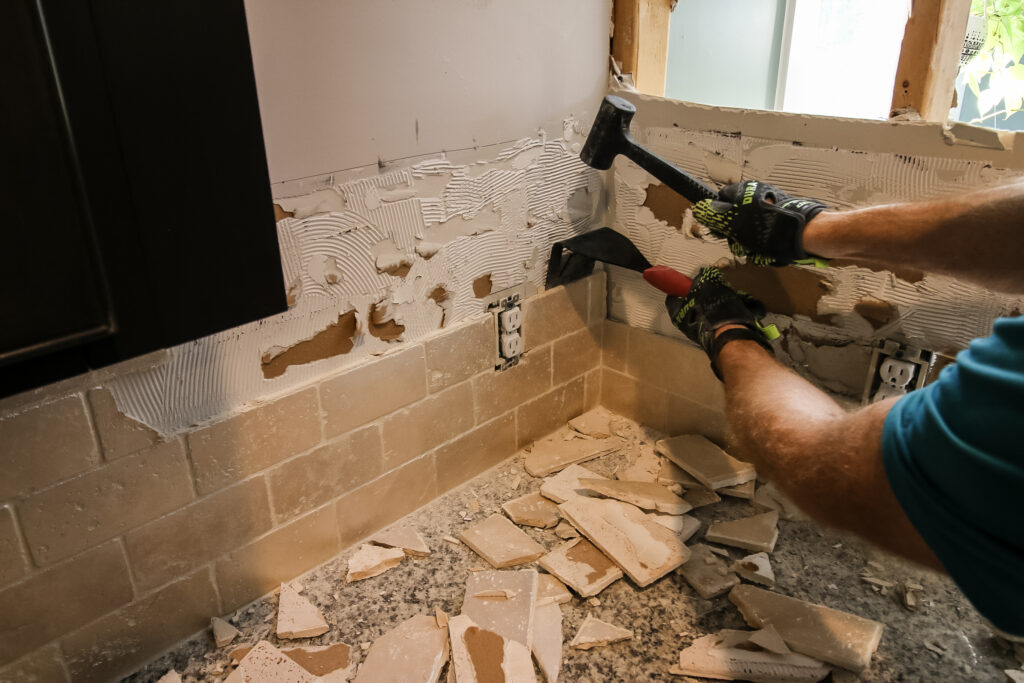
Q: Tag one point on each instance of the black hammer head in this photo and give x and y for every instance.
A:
(609, 135)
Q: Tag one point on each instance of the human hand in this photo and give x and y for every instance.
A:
(761, 222)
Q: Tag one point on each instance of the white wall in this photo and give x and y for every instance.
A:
(345, 83)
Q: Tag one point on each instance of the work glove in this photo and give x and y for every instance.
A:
(761, 222)
(712, 304)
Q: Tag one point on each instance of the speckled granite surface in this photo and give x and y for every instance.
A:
(810, 563)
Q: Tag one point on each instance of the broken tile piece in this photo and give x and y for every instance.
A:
(830, 635)
(643, 549)
(711, 657)
(297, 617)
(415, 651)
(671, 473)
(511, 615)
(482, 656)
(532, 509)
(171, 676)
(501, 542)
(646, 495)
(566, 483)
(564, 530)
(757, 533)
(707, 573)
(266, 664)
(596, 633)
(684, 526)
(372, 560)
(706, 462)
(554, 453)
(223, 632)
(1014, 675)
(594, 423)
(699, 496)
(551, 590)
(745, 491)
(582, 567)
(756, 568)
(768, 497)
(645, 466)
(769, 639)
(406, 538)
(547, 640)
(333, 663)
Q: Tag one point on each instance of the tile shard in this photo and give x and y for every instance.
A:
(581, 566)
(406, 538)
(501, 542)
(297, 617)
(482, 656)
(727, 656)
(547, 640)
(511, 615)
(706, 462)
(699, 496)
(756, 568)
(551, 590)
(707, 573)
(830, 635)
(643, 549)
(594, 423)
(757, 533)
(372, 560)
(769, 639)
(645, 495)
(532, 509)
(644, 467)
(566, 483)
(565, 531)
(684, 526)
(171, 676)
(266, 664)
(768, 497)
(554, 453)
(596, 633)
(745, 490)
(415, 651)
(671, 473)
(223, 632)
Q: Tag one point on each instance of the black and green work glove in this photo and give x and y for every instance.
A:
(761, 222)
(712, 304)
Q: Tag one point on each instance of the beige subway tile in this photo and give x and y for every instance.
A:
(62, 598)
(44, 445)
(119, 434)
(461, 352)
(310, 480)
(576, 354)
(369, 391)
(417, 429)
(42, 666)
(499, 392)
(288, 551)
(598, 296)
(13, 562)
(686, 417)
(615, 345)
(555, 313)
(104, 503)
(628, 397)
(178, 543)
(471, 454)
(675, 366)
(229, 451)
(381, 502)
(544, 415)
(592, 389)
(119, 643)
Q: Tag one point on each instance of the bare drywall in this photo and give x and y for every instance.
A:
(346, 83)
(846, 163)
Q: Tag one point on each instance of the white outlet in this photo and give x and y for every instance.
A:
(511, 344)
(895, 376)
(510, 320)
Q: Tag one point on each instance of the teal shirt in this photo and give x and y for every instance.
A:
(954, 458)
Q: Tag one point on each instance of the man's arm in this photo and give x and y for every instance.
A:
(976, 236)
(827, 460)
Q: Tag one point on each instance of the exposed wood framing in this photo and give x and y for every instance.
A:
(929, 57)
(640, 42)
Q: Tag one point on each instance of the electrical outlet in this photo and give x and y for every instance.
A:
(510, 325)
(511, 344)
(510, 320)
(895, 369)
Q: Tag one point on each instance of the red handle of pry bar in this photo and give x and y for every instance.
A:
(668, 280)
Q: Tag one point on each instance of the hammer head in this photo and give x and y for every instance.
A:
(609, 135)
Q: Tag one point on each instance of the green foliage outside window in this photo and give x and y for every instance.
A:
(999, 59)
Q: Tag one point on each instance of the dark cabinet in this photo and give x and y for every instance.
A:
(134, 192)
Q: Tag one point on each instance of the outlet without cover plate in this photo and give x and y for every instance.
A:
(510, 332)
(895, 369)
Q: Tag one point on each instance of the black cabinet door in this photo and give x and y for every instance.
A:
(136, 183)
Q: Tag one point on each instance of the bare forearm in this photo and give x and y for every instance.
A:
(976, 236)
(827, 460)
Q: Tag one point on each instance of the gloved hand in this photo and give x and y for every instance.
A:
(712, 304)
(760, 221)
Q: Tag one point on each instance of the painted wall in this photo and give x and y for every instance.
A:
(345, 83)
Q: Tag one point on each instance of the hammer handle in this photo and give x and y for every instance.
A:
(669, 174)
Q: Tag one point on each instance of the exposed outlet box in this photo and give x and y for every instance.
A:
(510, 337)
(895, 369)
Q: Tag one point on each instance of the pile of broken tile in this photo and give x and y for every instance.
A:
(635, 525)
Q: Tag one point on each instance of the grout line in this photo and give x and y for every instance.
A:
(132, 581)
(28, 561)
(216, 588)
(320, 414)
(193, 481)
(101, 455)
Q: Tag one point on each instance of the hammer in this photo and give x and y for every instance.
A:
(609, 136)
